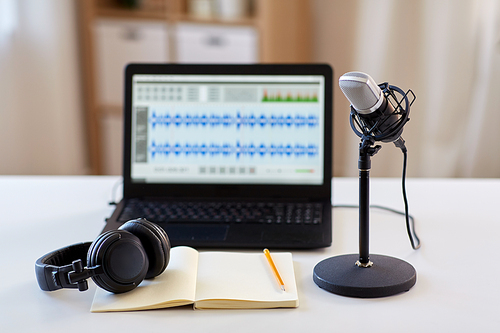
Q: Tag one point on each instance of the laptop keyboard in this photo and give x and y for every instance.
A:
(223, 212)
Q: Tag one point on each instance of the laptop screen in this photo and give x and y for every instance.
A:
(227, 129)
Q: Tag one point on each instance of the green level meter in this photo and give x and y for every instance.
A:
(290, 99)
(304, 170)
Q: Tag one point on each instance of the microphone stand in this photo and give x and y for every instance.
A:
(345, 276)
(366, 151)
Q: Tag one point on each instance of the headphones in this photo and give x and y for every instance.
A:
(117, 261)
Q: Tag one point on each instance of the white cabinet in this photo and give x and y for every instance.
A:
(203, 43)
(119, 42)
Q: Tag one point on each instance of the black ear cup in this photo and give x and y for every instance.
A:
(154, 241)
(122, 258)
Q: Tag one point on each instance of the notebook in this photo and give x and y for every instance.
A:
(229, 156)
(210, 280)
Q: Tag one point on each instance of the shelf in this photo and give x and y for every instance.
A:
(152, 14)
(131, 13)
(283, 36)
(194, 19)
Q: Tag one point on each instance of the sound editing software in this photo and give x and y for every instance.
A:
(225, 129)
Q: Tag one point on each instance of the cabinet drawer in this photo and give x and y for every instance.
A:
(119, 42)
(199, 43)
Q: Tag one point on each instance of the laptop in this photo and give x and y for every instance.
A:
(229, 156)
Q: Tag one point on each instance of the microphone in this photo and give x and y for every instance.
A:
(377, 112)
(376, 115)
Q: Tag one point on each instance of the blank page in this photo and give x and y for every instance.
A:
(174, 287)
(244, 277)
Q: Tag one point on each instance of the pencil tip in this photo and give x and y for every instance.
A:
(283, 288)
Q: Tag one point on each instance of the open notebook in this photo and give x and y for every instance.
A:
(218, 280)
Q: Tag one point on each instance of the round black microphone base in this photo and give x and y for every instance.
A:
(388, 276)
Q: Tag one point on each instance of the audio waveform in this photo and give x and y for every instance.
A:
(230, 120)
(237, 149)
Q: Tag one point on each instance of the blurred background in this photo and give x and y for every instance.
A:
(61, 79)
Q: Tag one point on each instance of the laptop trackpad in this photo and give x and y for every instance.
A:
(177, 232)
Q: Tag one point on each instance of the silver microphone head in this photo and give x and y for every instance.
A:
(362, 92)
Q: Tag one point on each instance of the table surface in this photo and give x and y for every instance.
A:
(457, 286)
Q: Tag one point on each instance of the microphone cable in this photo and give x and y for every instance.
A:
(113, 201)
(410, 221)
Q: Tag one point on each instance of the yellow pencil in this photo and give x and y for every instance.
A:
(274, 269)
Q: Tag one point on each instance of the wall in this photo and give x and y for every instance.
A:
(334, 35)
(41, 123)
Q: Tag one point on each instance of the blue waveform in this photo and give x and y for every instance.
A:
(230, 120)
(238, 149)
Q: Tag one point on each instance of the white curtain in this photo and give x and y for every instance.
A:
(41, 122)
(448, 53)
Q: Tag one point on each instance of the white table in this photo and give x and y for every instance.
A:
(457, 287)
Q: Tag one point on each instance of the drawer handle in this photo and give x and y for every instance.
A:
(215, 41)
(131, 34)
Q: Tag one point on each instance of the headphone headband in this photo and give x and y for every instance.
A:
(53, 268)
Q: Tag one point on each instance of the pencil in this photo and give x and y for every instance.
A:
(274, 269)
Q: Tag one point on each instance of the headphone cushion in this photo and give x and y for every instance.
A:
(123, 259)
(155, 242)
